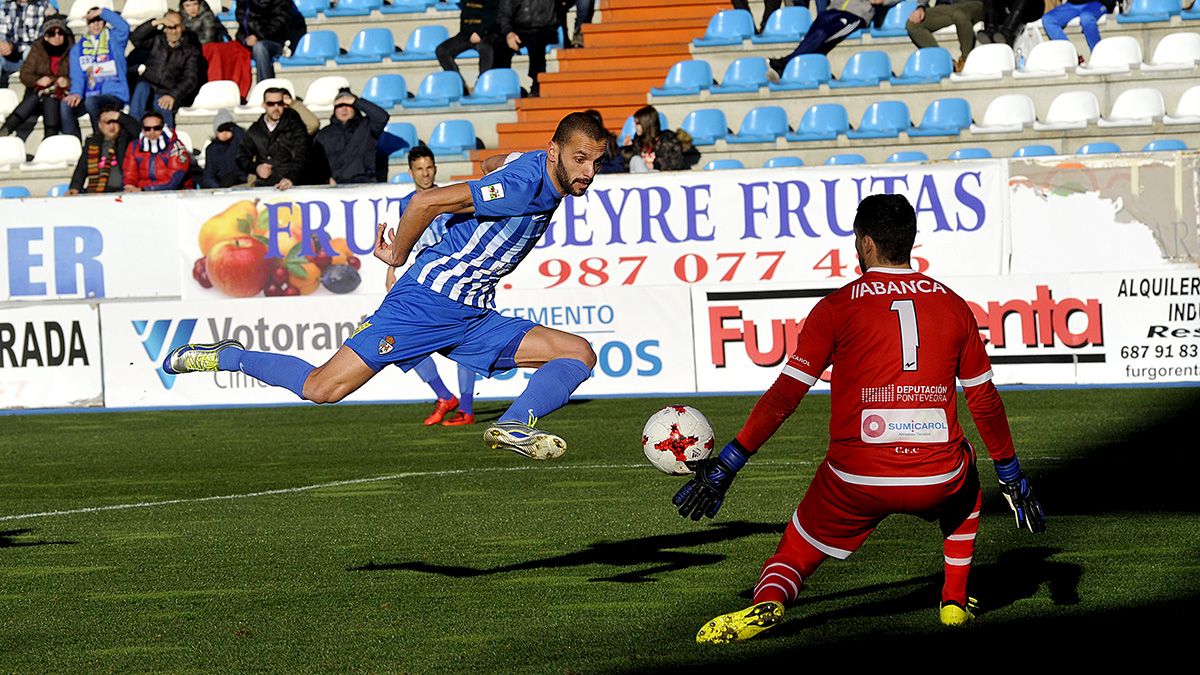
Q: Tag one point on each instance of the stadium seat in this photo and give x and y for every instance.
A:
(137, 12)
(928, 65)
(1116, 54)
(1192, 14)
(1165, 145)
(761, 125)
(1149, 11)
(845, 159)
(315, 48)
(398, 138)
(629, 127)
(1098, 148)
(722, 164)
(1037, 150)
(822, 122)
(1052, 58)
(13, 192)
(422, 42)
(401, 178)
(1176, 51)
(783, 162)
(55, 152)
(386, 90)
(1070, 110)
(437, 90)
(895, 20)
(1006, 114)
(786, 24)
(883, 119)
(8, 101)
(686, 78)
(12, 152)
(986, 62)
(452, 137)
(558, 42)
(308, 8)
(186, 139)
(255, 98)
(744, 76)
(322, 91)
(494, 87)
(79, 9)
(970, 153)
(807, 71)
(1187, 111)
(706, 126)
(407, 7)
(213, 96)
(59, 190)
(728, 27)
(864, 69)
(354, 8)
(944, 117)
(1137, 107)
(370, 45)
(906, 156)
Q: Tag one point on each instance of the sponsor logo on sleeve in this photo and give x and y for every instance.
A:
(905, 425)
(493, 191)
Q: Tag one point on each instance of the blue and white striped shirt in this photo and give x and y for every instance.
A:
(513, 205)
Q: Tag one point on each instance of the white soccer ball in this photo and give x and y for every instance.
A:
(674, 435)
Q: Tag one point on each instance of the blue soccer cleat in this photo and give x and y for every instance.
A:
(524, 439)
(197, 358)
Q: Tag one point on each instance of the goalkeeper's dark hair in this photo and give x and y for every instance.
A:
(418, 152)
(889, 220)
(579, 123)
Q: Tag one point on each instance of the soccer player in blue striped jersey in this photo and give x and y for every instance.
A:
(443, 303)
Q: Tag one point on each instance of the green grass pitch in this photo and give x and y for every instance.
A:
(425, 552)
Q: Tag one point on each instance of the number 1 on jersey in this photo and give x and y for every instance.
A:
(909, 340)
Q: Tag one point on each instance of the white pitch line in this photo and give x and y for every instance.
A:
(305, 488)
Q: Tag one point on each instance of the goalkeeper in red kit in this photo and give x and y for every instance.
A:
(897, 340)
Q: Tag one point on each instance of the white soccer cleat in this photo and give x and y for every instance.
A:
(524, 439)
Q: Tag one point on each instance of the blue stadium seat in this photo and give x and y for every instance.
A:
(822, 122)
(315, 48)
(761, 125)
(422, 42)
(944, 117)
(407, 6)
(370, 45)
(845, 158)
(744, 76)
(783, 162)
(864, 69)
(1036, 150)
(895, 20)
(447, 6)
(386, 90)
(807, 71)
(1192, 14)
(308, 9)
(729, 27)
(1098, 148)
(883, 119)
(722, 164)
(686, 78)
(494, 87)
(926, 66)
(786, 24)
(397, 139)
(628, 128)
(437, 90)
(354, 8)
(971, 153)
(1165, 145)
(1150, 11)
(402, 178)
(13, 191)
(706, 126)
(550, 47)
(59, 190)
(452, 137)
(907, 156)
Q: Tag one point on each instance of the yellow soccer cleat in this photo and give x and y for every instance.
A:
(742, 624)
(954, 615)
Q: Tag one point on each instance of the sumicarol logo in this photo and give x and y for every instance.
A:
(154, 338)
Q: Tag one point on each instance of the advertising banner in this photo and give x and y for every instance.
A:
(50, 357)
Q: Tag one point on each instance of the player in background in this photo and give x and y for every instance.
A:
(897, 340)
(423, 169)
(443, 302)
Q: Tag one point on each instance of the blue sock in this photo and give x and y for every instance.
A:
(466, 389)
(427, 371)
(548, 390)
(279, 370)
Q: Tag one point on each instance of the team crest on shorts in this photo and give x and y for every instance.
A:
(386, 345)
(490, 192)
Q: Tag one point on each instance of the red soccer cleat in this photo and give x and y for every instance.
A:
(440, 410)
(460, 419)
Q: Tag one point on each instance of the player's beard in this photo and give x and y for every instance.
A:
(560, 175)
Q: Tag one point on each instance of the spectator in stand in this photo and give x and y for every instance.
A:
(220, 157)
(348, 144)
(99, 166)
(265, 27)
(20, 26)
(584, 9)
(1089, 13)
(476, 30)
(654, 149)
(1003, 20)
(46, 75)
(276, 147)
(198, 18)
(770, 6)
(175, 68)
(613, 161)
(832, 26)
(157, 160)
(532, 24)
(98, 64)
(962, 14)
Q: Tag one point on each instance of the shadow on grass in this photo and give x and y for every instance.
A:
(653, 555)
(8, 539)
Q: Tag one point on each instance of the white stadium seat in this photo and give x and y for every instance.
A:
(1187, 111)
(1135, 107)
(322, 91)
(12, 152)
(213, 96)
(1052, 58)
(1009, 113)
(254, 99)
(79, 10)
(986, 62)
(137, 12)
(1115, 54)
(1176, 51)
(8, 101)
(56, 152)
(187, 140)
(1070, 110)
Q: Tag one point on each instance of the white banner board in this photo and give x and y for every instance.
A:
(50, 357)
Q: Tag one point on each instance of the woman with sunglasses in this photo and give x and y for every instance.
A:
(46, 75)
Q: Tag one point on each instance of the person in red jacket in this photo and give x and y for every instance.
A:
(157, 159)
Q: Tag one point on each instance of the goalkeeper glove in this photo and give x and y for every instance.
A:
(1016, 490)
(703, 494)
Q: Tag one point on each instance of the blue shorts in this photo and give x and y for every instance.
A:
(414, 322)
